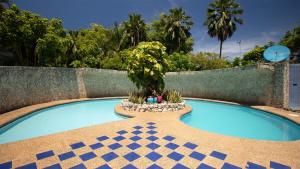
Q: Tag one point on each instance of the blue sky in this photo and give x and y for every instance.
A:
(265, 20)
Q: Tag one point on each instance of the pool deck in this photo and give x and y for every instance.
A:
(149, 140)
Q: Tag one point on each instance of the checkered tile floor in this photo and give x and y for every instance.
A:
(141, 147)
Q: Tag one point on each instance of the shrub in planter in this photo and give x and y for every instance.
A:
(174, 96)
(147, 65)
(135, 97)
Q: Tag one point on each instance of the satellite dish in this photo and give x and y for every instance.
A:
(277, 53)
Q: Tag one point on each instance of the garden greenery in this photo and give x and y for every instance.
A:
(136, 97)
(147, 66)
(27, 39)
(173, 96)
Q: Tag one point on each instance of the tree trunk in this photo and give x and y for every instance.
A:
(221, 44)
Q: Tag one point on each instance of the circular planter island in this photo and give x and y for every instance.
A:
(130, 109)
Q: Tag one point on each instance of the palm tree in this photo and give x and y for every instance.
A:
(222, 19)
(135, 29)
(177, 29)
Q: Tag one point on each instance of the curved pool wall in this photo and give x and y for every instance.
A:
(221, 118)
(60, 118)
(257, 84)
(240, 121)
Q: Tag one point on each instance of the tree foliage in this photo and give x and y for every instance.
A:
(173, 30)
(292, 40)
(222, 19)
(207, 61)
(135, 29)
(19, 32)
(147, 66)
(53, 47)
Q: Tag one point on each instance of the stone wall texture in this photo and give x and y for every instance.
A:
(23, 86)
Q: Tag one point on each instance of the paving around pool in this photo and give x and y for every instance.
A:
(148, 140)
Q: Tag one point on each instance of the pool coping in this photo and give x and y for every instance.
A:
(239, 148)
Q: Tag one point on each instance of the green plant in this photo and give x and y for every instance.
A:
(222, 19)
(174, 96)
(136, 97)
(147, 66)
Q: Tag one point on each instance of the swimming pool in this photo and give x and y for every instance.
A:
(60, 118)
(226, 119)
(240, 121)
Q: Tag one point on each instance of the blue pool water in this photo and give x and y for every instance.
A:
(240, 121)
(60, 118)
(226, 119)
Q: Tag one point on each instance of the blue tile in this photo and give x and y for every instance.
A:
(115, 146)
(152, 138)
(137, 127)
(6, 165)
(171, 146)
(105, 166)
(129, 166)
(276, 165)
(133, 146)
(28, 166)
(175, 156)
(230, 166)
(179, 166)
(153, 146)
(151, 132)
(251, 165)
(102, 138)
(154, 166)
(109, 156)
(66, 156)
(151, 127)
(151, 123)
(77, 145)
(197, 155)
(190, 145)
(136, 132)
(45, 154)
(205, 166)
(122, 132)
(119, 138)
(135, 138)
(87, 156)
(55, 166)
(153, 156)
(168, 138)
(96, 146)
(218, 155)
(79, 166)
(131, 156)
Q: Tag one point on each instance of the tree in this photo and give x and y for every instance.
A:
(179, 62)
(19, 32)
(254, 56)
(147, 66)
(91, 45)
(173, 30)
(177, 28)
(222, 19)
(292, 40)
(3, 4)
(208, 61)
(53, 47)
(135, 29)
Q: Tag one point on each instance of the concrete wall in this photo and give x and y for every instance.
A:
(23, 86)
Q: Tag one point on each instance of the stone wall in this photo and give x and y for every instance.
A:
(23, 86)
